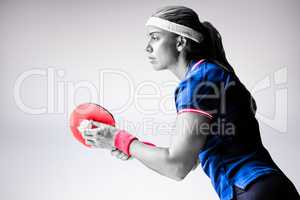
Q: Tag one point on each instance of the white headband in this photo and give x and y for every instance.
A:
(175, 28)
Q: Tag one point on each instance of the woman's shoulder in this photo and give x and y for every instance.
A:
(212, 71)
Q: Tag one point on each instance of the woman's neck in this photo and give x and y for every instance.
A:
(180, 68)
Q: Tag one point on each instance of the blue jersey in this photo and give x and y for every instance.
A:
(233, 153)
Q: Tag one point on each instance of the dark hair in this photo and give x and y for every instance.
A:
(210, 48)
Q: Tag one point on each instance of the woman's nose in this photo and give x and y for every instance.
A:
(149, 49)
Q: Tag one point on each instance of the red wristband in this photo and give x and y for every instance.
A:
(123, 141)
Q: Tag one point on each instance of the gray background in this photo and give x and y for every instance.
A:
(39, 157)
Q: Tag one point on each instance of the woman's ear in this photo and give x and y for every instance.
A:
(181, 43)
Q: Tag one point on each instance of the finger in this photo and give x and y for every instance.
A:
(118, 153)
(126, 157)
(95, 123)
(87, 135)
(90, 132)
(89, 142)
(98, 124)
(121, 155)
(112, 152)
(85, 124)
(100, 144)
(80, 129)
(84, 132)
(113, 149)
(97, 132)
(115, 153)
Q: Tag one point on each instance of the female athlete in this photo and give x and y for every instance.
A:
(215, 121)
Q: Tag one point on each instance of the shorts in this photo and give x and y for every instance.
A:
(268, 187)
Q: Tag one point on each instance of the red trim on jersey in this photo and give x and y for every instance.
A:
(195, 111)
(197, 63)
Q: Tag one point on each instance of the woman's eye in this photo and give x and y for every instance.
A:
(154, 37)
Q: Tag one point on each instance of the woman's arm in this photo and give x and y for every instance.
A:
(178, 160)
(174, 162)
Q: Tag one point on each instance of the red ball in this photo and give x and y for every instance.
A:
(89, 111)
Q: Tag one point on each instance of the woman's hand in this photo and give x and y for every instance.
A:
(119, 154)
(102, 136)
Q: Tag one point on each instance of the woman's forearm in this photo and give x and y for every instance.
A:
(157, 159)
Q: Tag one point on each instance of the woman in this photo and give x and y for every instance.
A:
(215, 121)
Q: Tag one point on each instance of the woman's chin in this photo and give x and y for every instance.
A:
(157, 67)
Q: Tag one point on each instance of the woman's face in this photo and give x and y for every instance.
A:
(161, 48)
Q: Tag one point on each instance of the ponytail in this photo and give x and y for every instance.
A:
(215, 47)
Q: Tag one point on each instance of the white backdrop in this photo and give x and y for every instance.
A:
(56, 54)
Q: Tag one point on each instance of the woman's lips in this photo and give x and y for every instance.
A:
(151, 59)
